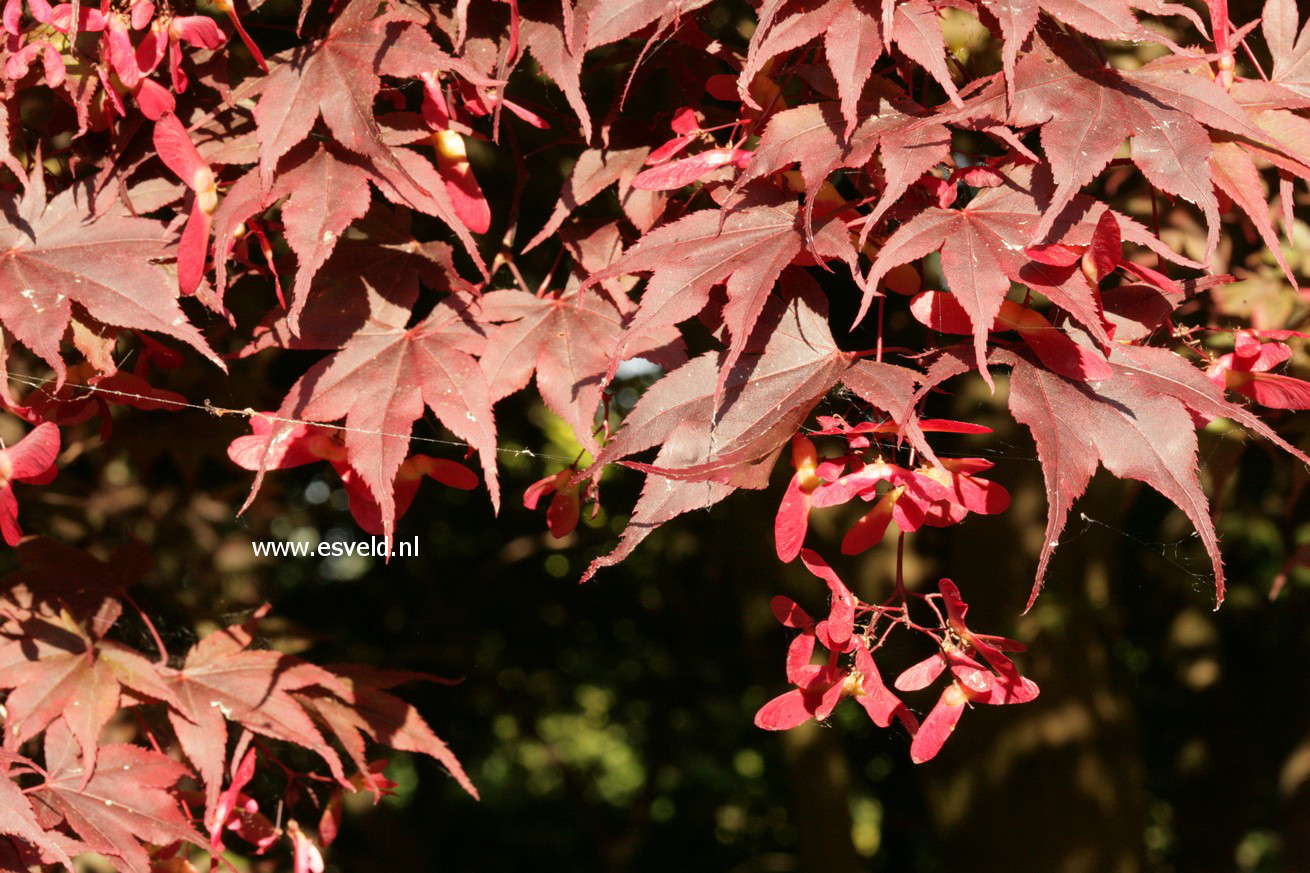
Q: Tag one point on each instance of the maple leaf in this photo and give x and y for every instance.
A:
(799, 364)
(380, 379)
(1267, 105)
(54, 579)
(747, 249)
(608, 21)
(17, 818)
(917, 31)
(810, 135)
(368, 290)
(59, 670)
(1165, 372)
(337, 77)
(852, 44)
(55, 254)
(1291, 50)
(559, 35)
(1111, 19)
(891, 388)
(770, 391)
(223, 680)
(796, 359)
(853, 40)
(126, 801)
(552, 32)
(326, 196)
(368, 711)
(1143, 374)
(326, 191)
(437, 190)
(1134, 432)
(568, 341)
(69, 405)
(1086, 110)
(982, 250)
(1235, 173)
(1057, 352)
(373, 278)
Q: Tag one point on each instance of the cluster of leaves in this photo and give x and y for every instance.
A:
(90, 723)
(842, 157)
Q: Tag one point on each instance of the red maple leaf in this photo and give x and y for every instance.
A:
(382, 374)
(704, 456)
(854, 33)
(327, 195)
(593, 172)
(1291, 50)
(368, 711)
(1086, 110)
(18, 819)
(61, 668)
(558, 37)
(1135, 432)
(222, 680)
(747, 249)
(983, 250)
(380, 382)
(568, 342)
(337, 78)
(810, 135)
(326, 190)
(125, 802)
(56, 254)
(1111, 19)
